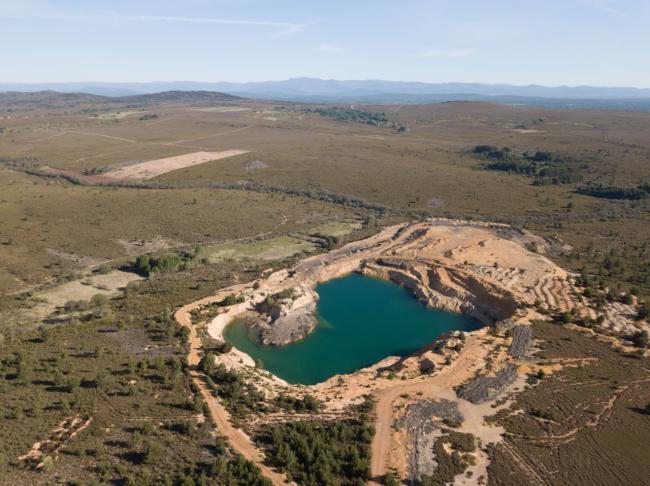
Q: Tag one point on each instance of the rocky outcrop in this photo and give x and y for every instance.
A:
(522, 340)
(422, 422)
(284, 317)
(447, 288)
(485, 388)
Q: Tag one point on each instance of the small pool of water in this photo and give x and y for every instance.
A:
(361, 320)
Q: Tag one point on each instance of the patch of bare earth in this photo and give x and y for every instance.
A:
(484, 270)
(157, 167)
(59, 437)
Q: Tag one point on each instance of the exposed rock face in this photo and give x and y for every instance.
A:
(486, 271)
(505, 325)
(522, 339)
(446, 288)
(289, 319)
(422, 421)
(485, 388)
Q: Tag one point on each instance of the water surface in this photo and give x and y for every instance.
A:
(361, 320)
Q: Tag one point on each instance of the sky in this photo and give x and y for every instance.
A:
(548, 42)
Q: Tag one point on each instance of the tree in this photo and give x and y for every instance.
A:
(197, 403)
(143, 265)
(98, 300)
(391, 479)
(183, 334)
(72, 383)
(640, 339)
(206, 365)
(152, 453)
(311, 403)
(229, 300)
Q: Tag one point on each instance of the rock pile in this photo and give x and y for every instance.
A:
(522, 339)
(484, 388)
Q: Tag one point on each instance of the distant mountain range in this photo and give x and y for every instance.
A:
(46, 96)
(372, 91)
(313, 87)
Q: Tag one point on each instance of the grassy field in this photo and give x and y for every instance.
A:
(53, 228)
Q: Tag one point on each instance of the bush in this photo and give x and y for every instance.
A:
(103, 269)
(72, 383)
(391, 479)
(640, 339)
(206, 364)
(152, 453)
(47, 463)
(76, 305)
(98, 300)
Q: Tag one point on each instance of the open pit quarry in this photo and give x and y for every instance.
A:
(496, 274)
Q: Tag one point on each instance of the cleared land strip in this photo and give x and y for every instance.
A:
(154, 168)
(119, 139)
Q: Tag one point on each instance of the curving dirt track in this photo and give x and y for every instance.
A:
(239, 441)
(464, 367)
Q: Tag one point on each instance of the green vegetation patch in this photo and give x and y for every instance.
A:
(124, 368)
(276, 248)
(641, 191)
(543, 167)
(378, 119)
(315, 453)
(453, 462)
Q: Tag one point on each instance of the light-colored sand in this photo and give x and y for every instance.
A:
(154, 168)
(48, 300)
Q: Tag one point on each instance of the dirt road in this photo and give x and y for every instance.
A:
(239, 441)
(472, 357)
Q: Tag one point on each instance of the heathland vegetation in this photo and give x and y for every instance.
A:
(124, 375)
(377, 119)
(542, 167)
(119, 360)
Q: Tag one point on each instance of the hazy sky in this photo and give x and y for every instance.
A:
(551, 42)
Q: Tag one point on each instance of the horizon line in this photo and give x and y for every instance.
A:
(331, 79)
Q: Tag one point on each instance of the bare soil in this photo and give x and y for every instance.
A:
(154, 168)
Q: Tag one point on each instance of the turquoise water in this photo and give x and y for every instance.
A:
(361, 320)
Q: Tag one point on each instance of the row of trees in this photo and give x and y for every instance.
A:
(614, 192)
(375, 118)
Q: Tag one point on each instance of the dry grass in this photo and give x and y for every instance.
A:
(40, 215)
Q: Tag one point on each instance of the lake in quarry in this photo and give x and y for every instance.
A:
(361, 320)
